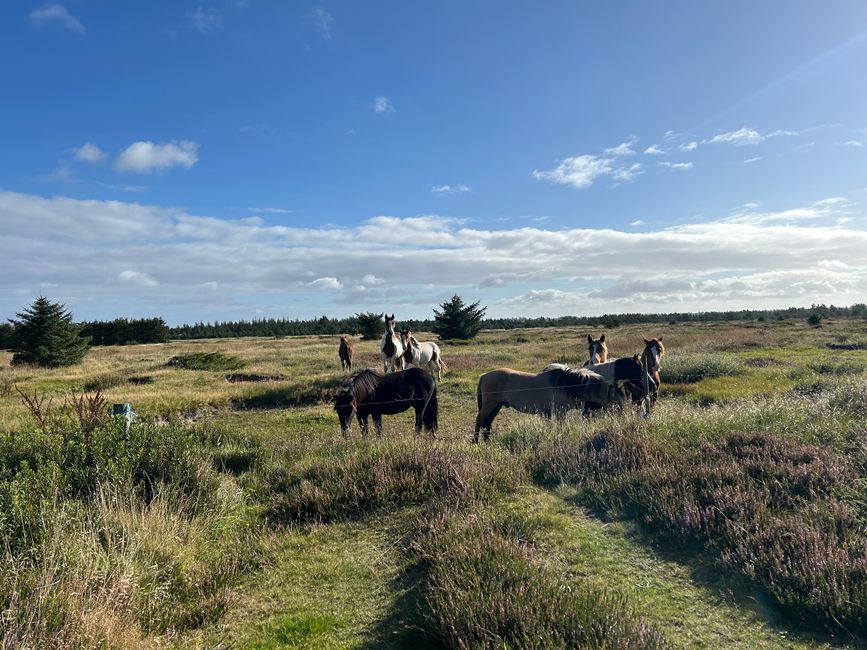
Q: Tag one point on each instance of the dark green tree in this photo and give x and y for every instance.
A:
(6, 333)
(370, 326)
(46, 336)
(457, 320)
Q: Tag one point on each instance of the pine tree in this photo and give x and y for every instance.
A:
(46, 336)
(458, 321)
(370, 326)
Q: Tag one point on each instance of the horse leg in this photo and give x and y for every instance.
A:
(377, 424)
(362, 423)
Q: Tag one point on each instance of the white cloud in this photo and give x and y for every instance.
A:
(322, 19)
(689, 146)
(629, 173)
(637, 222)
(89, 152)
(623, 149)
(681, 165)
(654, 150)
(853, 143)
(753, 159)
(578, 171)
(137, 278)
(383, 105)
(205, 20)
(746, 135)
(445, 190)
(144, 157)
(222, 269)
(55, 13)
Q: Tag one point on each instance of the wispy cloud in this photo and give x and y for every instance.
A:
(144, 157)
(753, 159)
(205, 20)
(322, 19)
(745, 135)
(623, 149)
(270, 210)
(853, 143)
(654, 150)
(582, 171)
(683, 166)
(383, 105)
(447, 190)
(137, 278)
(56, 14)
(89, 152)
(688, 146)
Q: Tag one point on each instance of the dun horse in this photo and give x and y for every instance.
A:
(550, 393)
(345, 352)
(369, 394)
(654, 350)
(597, 350)
(626, 372)
(390, 347)
(422, 355)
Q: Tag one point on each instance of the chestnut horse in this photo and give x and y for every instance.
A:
(345, 352)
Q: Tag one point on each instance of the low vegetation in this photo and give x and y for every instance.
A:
(234, 513)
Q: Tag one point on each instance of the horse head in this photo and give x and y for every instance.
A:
(408, 349)
(345, 405)
(389, 324)
(597, 350)
(654, 351)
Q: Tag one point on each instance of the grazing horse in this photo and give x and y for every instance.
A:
(597, 350)
(626, 372)
(550, 393)
(367, 393)
(345, 352)
(654, 350)
(391, 348)
(422, 355)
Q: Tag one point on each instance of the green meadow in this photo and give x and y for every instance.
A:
(234, 513)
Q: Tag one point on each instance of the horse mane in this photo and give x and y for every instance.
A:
(363, 383)
(569, 381)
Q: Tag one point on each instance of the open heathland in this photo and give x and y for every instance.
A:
(234, 513)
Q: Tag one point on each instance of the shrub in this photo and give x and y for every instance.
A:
(206, 361)
(485, 588)
(768, 506)
(370, 326)
(353, 480)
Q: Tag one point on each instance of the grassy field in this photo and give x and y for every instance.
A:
(235, 514)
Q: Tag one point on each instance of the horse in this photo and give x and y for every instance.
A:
(550, 393)
(597, 350)
(626, 372)
(422, 354)
(391, 348)
(345, 352)
(652, 355)
(367, 393)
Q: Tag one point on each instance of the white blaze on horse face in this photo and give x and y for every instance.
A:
(594, 353)
(654, 352)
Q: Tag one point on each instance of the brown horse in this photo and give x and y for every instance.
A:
(550, 393)
(345, 352)
(651, 359)
(597, 350)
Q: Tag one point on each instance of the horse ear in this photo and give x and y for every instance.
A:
(602, 339)
(646, 341)
(589, 339)
(637, 358)
(659, 339)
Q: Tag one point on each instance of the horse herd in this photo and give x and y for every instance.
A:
(408, 382)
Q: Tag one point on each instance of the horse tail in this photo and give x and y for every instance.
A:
(429, 418)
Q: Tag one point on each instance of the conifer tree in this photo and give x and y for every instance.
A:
(370, 326)
(46, 336)
(457, 320)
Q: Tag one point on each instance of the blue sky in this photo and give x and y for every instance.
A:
(243, 159)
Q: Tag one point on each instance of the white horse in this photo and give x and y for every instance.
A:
(422, 355)
(390, 348)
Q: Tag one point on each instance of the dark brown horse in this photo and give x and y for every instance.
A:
(345, 352)
(367, 393)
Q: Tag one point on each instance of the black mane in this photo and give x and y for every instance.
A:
(363, 383)
(571, 382)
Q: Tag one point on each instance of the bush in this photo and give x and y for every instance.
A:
(206, 361)
(772, 508)
(485, 588)
(370, 326)
(691, 368)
